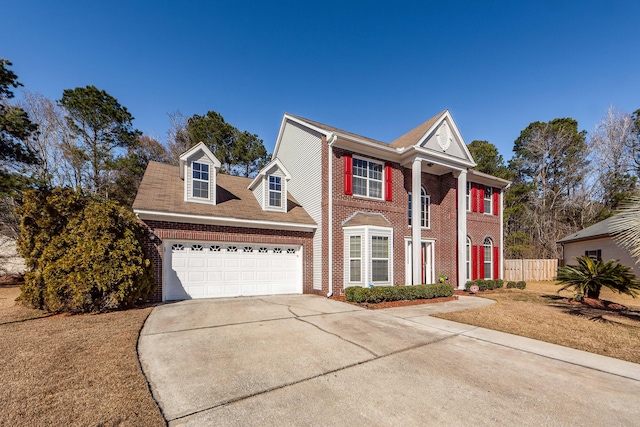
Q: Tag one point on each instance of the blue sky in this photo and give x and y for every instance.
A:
(374, 68)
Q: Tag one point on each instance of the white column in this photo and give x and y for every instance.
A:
(416, 251)
(462, 229)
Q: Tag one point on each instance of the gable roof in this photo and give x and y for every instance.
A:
(162, 192)
(414, 135)
(597, 230)
(367, 218)
(330, 129)
(275, 163)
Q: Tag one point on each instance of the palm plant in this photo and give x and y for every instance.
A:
(590, 276)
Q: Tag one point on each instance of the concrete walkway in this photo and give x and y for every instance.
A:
(308, 360)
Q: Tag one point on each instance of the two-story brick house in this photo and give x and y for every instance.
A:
(332, 210)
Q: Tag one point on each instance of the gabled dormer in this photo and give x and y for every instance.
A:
(270, 187)
(199, 169)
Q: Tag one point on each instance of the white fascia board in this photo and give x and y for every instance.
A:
(224, 221)
(484, 178)
(201, 146)
(435, 157)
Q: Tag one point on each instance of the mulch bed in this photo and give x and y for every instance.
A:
(389, 304)
(597, 303)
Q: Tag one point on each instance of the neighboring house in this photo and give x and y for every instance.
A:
(333, 209)
(596, 242)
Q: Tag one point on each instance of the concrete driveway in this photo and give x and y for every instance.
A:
(307, 360)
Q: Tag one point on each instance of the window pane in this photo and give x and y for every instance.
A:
(355, 246)
(379, 247)
(380, 270)
(359, 168)
(274, 198)
(359, 186)
(201, 189)
(355, 270)
(375, 171)
(274, 183)
(487, 270)
(375, 189)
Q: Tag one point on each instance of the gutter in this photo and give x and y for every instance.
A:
(332, 141)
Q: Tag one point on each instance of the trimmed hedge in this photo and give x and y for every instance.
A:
(519, 285)
(484, 285)
(378, 294)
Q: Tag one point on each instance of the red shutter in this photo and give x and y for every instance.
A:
(474, 195)
(481, 198)
(496, 263)
(480, 261)
(348, 174)
(496, 202)
(388, 171)
(474, 262)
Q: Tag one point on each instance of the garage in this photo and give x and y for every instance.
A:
(221, 269)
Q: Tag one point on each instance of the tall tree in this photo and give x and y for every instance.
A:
(613, 145)
(15, 129)
(240, 153)
(101, 124)
(550, 162)
(249, 154)
(53, 144)
(129, 169)
(217, 134)
(178, 138)
(488, 159)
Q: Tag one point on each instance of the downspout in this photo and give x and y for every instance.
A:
(332, 141)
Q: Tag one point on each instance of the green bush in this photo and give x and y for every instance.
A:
(484, 285)
(521, 284)
(511, 285)
(378, 294)
(83, 253)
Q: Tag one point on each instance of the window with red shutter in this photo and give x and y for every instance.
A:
(474, 262)
(348, 174)
(496, 201)
(481, 198)
(496, 263)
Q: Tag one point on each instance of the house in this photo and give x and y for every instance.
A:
(331, 210)
(596, 242)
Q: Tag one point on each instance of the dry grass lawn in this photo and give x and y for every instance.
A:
(539, 313)
(72, 370)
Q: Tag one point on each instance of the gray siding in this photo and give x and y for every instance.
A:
(610, 250)
(200, 157)
(300, 153)
(259, 193)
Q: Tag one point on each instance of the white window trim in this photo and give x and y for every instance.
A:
(366, 232)
(427, 211)
(283, 193)
(188, 183)
(194, 179)
(368, 179)
(468, 266)
(484, 262)
(468, 196)
(484, 200)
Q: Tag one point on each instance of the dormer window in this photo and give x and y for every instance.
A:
(275, 191)
(200, 180)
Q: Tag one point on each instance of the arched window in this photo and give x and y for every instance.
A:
(468, 258)
(488, 258)
(425, 204)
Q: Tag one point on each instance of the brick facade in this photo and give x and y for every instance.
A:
(161, 230)
(443, 219)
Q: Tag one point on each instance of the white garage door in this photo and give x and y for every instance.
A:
(211, 270)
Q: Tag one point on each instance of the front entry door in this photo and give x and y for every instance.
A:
(426, 257)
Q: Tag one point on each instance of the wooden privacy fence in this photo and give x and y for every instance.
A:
(530, 269)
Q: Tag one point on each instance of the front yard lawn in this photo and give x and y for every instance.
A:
(72, 370)
(539, 313)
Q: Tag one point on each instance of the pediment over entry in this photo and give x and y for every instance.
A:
(439, 135)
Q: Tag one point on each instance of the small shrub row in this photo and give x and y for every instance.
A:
(484, 285)
(378, 294)
(519, 285)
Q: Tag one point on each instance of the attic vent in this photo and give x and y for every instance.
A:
(444, 136)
